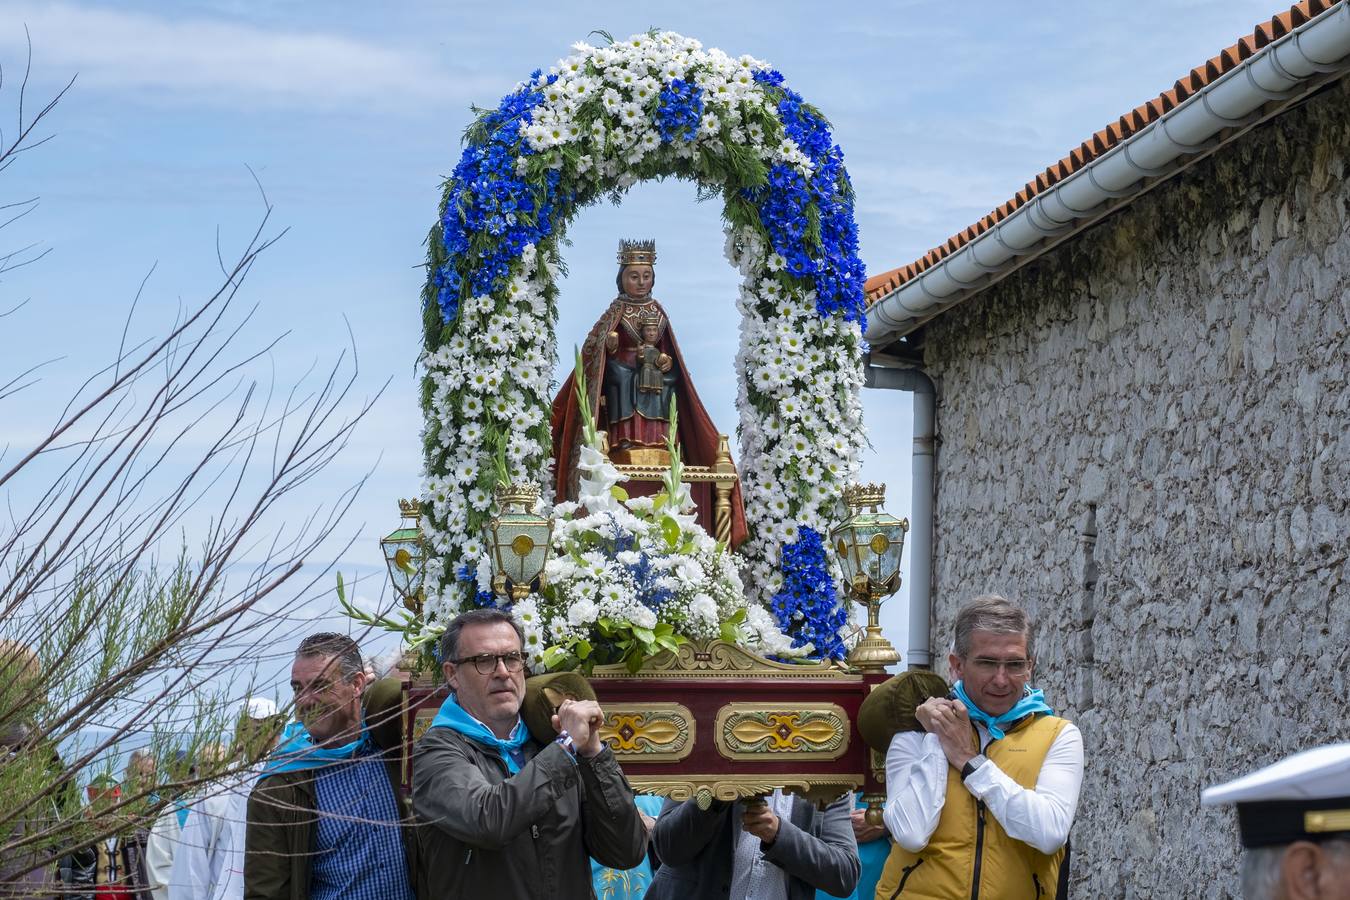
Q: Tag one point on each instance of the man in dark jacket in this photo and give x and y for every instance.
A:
(327, 819)
(782, 848)
(504, 817)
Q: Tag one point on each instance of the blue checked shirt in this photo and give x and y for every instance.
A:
(360, 849)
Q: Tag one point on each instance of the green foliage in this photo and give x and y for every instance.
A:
(618, 643)
(114, 653)
(419, 638)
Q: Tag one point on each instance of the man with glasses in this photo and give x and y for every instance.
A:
(980, 802)
(326, 819)
(503, 816)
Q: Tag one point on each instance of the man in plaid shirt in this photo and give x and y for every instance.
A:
(327, 820)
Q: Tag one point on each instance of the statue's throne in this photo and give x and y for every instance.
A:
(649, 465)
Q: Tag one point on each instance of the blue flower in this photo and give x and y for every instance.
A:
(467, 576)
(807, 608)
(679, 111)
(488, 198)
(790, 202)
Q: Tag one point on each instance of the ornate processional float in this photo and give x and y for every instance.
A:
(708, 604)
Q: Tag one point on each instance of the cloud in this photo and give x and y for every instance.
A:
(227, 63)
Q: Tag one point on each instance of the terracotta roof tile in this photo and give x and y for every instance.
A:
(1150, 111)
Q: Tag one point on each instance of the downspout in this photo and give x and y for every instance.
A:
(919, 655)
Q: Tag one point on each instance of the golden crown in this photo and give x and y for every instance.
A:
(857, 496)
(410, 508)
(651, 318)
(641, 253)
(523, 492)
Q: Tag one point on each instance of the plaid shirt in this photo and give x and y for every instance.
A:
(360, 851)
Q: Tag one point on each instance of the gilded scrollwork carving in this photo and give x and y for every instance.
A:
(703, 789)
(753, 731)
(648, 732)
(719, 659)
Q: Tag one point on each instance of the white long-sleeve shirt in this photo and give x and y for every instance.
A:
(916, 789)
(159, 852)
(209, 861)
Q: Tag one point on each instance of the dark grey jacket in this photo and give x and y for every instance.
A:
(527, 836)
(697, 847)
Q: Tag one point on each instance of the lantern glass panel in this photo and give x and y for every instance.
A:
(522, 547)
(403, 557)
(884, 540)
(843, 540)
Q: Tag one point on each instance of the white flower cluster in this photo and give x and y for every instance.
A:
(613, 559)
(628, 76)
(799, 378)
(491, 378)
(799, 375)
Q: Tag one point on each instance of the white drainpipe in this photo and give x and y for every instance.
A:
(1282, 71)
(919, 655)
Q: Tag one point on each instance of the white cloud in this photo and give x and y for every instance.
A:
(221, 62)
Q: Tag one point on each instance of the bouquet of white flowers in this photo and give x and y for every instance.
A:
(630, 577)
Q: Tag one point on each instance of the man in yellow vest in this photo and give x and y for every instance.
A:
(979, 804)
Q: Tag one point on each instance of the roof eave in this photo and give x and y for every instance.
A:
(1256, 89)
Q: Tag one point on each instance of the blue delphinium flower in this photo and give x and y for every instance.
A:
(468, 579)
(789, 199)
(679, 111)
(807, 608)
(489, 197)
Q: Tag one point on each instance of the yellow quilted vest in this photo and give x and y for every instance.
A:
(969, 843)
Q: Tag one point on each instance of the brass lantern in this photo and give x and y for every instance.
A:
(519, 541)
(405, 555)
(869, 544)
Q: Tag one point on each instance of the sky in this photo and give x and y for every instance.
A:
(348, 117)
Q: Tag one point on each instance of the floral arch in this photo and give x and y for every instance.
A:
(653, 106)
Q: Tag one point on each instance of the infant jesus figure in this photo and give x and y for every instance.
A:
(652, 363)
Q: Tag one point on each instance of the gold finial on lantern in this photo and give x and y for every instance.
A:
(524, 494)
(641, 253)
(410, 509)
(861, 496)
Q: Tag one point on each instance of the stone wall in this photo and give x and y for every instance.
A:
(1145, 437)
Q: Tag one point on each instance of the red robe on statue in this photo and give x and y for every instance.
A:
(697, 435)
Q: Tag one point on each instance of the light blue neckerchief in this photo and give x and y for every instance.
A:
(455, 717)
(296, 751)
(1031, 702)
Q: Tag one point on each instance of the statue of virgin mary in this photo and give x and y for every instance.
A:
(633, 367)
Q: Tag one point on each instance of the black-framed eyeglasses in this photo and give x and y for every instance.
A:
(486, 663)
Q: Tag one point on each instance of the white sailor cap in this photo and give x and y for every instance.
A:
(1305, 797)
(259, 708)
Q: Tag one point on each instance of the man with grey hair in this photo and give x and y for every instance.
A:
(505, 816)
(981, 801)
(1294, 821)
(327, 820)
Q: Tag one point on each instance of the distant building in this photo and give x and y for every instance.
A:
(1142, 369)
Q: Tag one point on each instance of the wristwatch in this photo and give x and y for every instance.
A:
(972, 764)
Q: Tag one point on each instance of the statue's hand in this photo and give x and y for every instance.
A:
(664, 362)
(611, 342)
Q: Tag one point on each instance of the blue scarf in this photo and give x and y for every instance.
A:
(1031, 702)
(296, 751)
(454, 716)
